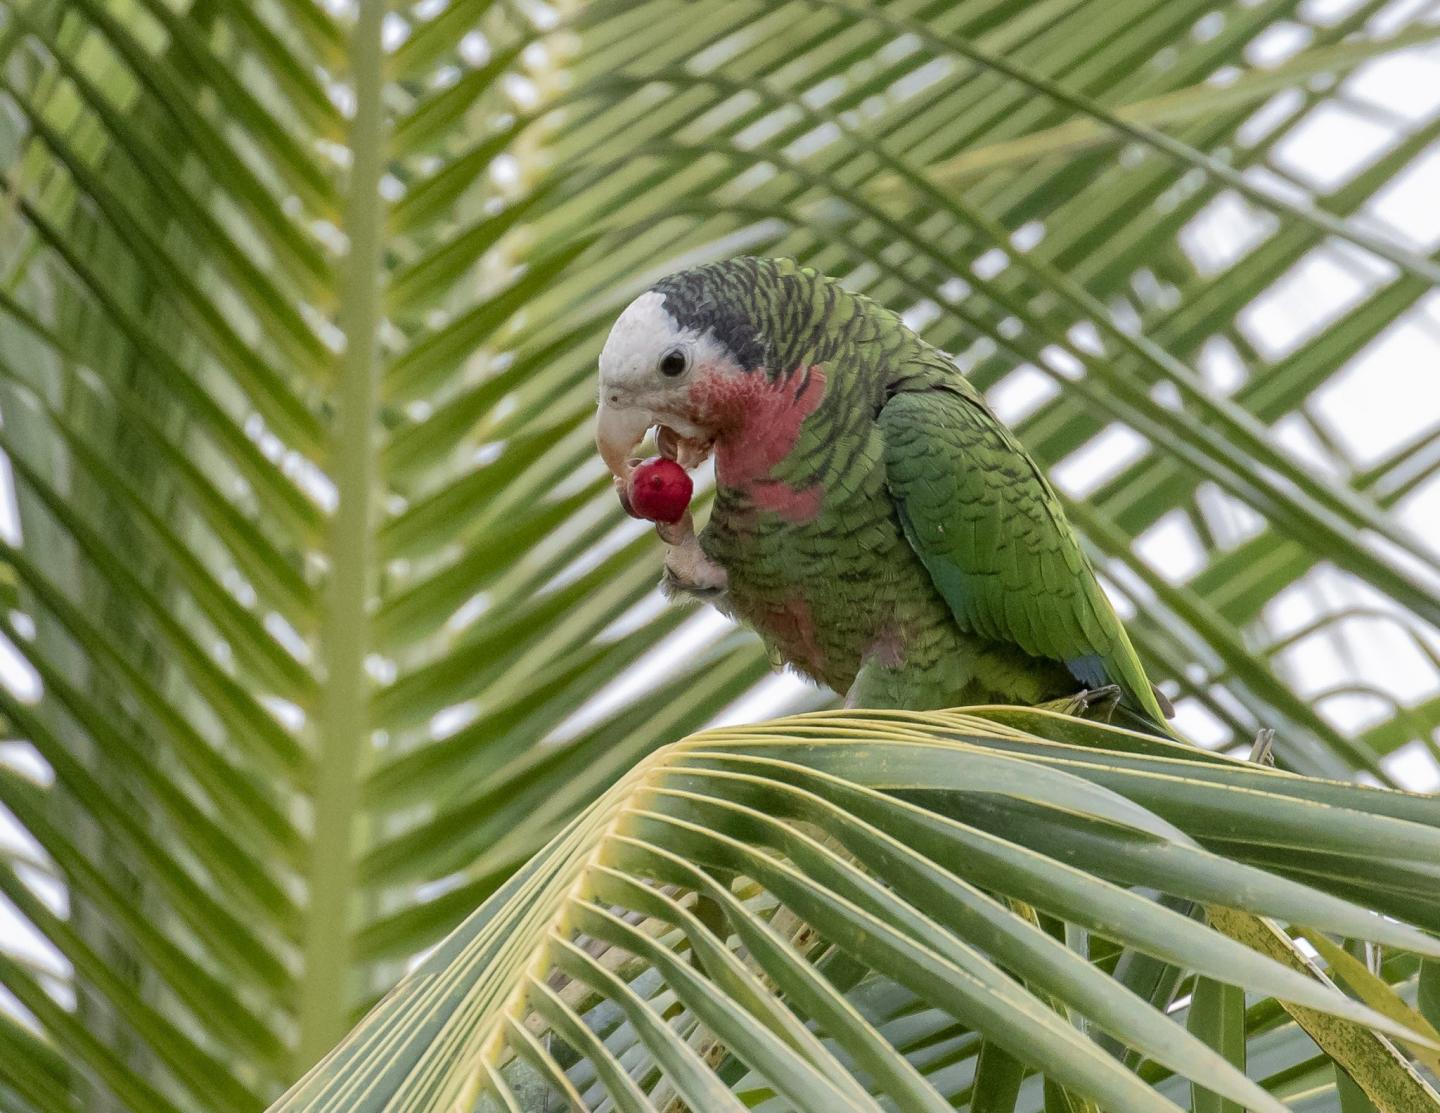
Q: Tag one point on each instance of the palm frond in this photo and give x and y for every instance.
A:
(714, 926)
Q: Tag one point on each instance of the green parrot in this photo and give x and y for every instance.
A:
(874, 522)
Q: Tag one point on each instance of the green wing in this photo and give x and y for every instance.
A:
(990, 530)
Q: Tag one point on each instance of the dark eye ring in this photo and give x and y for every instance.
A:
(674, 362)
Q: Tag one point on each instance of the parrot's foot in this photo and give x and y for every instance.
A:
(687, 568)
(1086, 699)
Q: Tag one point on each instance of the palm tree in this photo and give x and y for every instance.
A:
(325, 630)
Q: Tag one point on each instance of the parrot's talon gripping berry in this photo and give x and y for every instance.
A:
(657, 490)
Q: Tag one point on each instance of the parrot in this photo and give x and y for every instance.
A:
(874, 522)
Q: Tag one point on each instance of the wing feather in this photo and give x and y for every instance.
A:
(990, 529)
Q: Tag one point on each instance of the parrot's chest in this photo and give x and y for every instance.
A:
(822, 572)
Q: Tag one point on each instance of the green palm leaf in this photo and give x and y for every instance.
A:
(638, 952)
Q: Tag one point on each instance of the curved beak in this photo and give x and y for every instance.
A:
(618, 429)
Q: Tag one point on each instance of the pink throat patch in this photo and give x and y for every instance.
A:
(758, 423)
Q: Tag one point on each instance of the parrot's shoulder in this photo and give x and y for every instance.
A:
(920, 368)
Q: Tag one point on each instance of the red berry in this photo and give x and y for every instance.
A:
(659, 491)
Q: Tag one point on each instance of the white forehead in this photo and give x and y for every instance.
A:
(644, 333)
(640, 335)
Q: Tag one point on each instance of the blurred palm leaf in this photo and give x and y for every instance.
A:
(852, 862)
(329, 617)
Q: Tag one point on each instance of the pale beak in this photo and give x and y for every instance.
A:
(617, 431)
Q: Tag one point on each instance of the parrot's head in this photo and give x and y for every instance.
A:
(649, 370)
(695, 356)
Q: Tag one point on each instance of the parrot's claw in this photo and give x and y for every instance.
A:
(687, 568)
(1087, 698)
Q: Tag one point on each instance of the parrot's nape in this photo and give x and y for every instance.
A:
(873, 521)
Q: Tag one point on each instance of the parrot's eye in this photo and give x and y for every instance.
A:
(674, 362)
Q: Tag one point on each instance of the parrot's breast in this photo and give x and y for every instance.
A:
(829, 587)
(838, 593)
